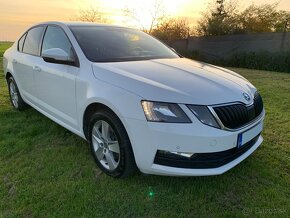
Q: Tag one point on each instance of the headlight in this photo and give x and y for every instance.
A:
(164, 112)
(204, 115)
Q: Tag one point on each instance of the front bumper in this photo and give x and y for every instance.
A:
(147, 138)
(172, 171)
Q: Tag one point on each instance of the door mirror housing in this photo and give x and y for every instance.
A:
(57, 56)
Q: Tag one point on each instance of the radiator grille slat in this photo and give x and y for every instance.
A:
(237, 115)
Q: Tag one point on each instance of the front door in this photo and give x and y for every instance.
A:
(55, 83)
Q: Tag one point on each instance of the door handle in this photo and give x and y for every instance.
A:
(14, 61)
(37, 68)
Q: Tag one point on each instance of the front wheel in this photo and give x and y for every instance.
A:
(110, 144)
(15, 97)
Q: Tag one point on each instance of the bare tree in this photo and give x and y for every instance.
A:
(157, 14)
(91, 14)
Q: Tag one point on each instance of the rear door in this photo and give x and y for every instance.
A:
(55, 83)
(25, 59)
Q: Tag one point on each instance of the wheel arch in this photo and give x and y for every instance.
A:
(90, 110)
(8, 75)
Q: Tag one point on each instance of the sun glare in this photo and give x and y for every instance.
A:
(144, 9)
(18, 15)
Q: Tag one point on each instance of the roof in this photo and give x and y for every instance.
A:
(78, 23)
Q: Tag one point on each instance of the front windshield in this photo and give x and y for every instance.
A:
(111, 44)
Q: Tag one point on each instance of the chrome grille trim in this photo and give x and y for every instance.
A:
(238, 111)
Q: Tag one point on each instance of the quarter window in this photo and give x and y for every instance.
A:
(32, 41)
(56, 38)
(21, 42)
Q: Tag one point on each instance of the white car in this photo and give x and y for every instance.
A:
(136, 101)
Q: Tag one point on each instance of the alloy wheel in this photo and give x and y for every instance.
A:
(13, 94)
(106, 145)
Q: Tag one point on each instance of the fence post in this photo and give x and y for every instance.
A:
(187, 39)
(284, 35)
(286, 25)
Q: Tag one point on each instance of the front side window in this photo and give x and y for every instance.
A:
(21, 42)
(32, 40)
(111, 44)
(56, 38)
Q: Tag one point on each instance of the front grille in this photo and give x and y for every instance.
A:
(203, 160)
(237, 115)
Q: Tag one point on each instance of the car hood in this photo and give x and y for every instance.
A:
(177, 80)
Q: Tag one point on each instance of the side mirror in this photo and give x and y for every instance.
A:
(57, 56)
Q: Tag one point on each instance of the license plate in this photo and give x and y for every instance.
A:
(248, 135)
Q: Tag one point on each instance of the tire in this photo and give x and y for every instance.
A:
(15, 97)
(110, 144)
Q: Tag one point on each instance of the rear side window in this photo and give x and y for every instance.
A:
(56, 38)
(32, 41)
(21, 42)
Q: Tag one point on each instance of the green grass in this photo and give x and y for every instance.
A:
(46, 171)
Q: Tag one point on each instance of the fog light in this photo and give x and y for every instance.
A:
(188, 155)
(169, 153)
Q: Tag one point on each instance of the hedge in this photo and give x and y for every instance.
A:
(260, 60)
